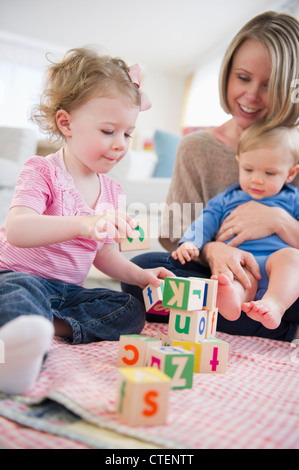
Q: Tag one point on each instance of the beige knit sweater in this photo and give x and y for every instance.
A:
(203, 168)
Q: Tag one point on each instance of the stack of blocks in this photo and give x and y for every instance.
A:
(168, 362)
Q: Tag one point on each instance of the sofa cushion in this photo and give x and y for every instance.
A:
(165, 145)
(17, 144)
(9, 172)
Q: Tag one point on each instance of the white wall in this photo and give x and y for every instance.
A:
(22, 67)
(167, 95)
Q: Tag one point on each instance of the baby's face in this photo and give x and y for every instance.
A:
(263, 171)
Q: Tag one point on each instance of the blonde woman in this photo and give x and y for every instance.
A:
(258, 77)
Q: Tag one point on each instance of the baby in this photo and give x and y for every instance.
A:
(267, 163)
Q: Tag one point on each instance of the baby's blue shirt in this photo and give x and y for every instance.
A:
(205, 228)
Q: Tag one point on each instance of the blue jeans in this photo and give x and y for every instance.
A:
(94, 314)
(244, 326)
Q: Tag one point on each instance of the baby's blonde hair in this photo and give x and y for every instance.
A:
(81, 75)
(279, 33)
(253, 138)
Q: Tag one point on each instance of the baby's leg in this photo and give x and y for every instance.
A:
(231, 295)
(283, 272)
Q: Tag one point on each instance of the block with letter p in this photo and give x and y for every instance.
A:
(183, 293)
(142, 396)
(176, 362)
(133, 349)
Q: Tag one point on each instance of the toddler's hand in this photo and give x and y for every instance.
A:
(153, 276)
(185, 252)
(117, 224)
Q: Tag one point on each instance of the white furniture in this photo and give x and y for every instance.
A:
(16, 146)
(144, 192)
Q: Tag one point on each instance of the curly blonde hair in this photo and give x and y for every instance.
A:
(279, 33)
(81, 75)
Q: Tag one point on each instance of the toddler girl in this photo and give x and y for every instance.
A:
(65, 216)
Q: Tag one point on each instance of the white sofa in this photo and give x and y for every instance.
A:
(16, 146)
(135, 172)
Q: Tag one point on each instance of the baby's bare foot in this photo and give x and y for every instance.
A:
(228, 299)
(267, 311)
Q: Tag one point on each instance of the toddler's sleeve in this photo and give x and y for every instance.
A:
(33, 188)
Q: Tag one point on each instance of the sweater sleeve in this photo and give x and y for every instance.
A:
(203, 168)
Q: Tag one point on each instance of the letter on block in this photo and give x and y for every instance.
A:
(176, 362)
(195, 348)
(153, 297)
(163, 336)
(188, 326)
(142, 241)
(212, 317)
(213, 356)
(142, 396)
(183, 293)
(133, 350)
(210, 294)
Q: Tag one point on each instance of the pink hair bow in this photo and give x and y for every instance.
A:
(135, 76)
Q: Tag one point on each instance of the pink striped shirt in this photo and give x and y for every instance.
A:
(45, 186)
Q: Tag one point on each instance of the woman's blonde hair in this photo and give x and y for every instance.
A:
(279, 33)
(82, 74)
(255, 137)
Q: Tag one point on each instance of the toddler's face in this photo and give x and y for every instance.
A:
(100, 132)
(263, 171)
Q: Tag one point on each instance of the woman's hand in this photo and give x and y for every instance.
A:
(117, 224)
(249, 221)
(232, 262)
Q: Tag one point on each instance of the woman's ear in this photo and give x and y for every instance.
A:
(63, 120)
(292, 173)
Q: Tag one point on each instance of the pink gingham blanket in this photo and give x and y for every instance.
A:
(254, 405)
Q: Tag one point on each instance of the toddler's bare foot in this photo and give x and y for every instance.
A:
(228, 298)
(267, 311)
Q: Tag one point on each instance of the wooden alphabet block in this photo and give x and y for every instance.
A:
(153, 297)
(176, 362)
(213, 356)
(210, 294)
(212, 317)
(142, 396)
(210, 355)
(183, 293)
(195, 348)
(141, 242)
(164, 338)
(133, 349)
(188, 326)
